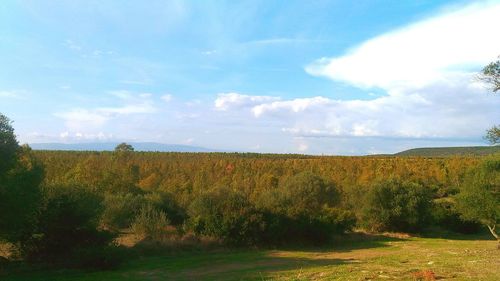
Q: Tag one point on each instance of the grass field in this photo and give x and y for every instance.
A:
(361, 257)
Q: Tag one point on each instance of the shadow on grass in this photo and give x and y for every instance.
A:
(213, 263)
(231, 265)
(482, 235)
(349, 242)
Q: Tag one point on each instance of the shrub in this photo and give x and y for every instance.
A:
(303, 209)
(446, 216)
(20, 196)
(150, 222)
(120, 209)
(479, 197)
(226, 214)
(66, 228)
(396, 205)
(166, 203)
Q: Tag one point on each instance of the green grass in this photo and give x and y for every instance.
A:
(359, 258)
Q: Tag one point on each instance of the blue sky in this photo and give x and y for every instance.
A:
(319, 77)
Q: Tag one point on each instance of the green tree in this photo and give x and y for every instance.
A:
(124, 147)
(67, 231)
(493, 135)
(8, 145)
(491, 76)
(397, 206)
(20, 177)
(227, 215)
(479, 197)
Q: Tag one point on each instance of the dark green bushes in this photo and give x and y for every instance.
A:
(66, 232)
(304, 208)
(479, 197)
(20, 196)
(120, 209)
(227, 215)
(396, 205)
(445, 215)
(150, 222)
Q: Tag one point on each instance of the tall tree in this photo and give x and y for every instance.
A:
(20, 177)
(491, 76)
(8, 145)
(124, 147)
(479, 197)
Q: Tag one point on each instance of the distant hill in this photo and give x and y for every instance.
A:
(450, 151)
(109, 146)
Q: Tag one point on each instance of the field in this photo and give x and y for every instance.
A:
(357, 257)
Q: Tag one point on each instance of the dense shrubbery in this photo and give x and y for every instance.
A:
(479, 197)
(20, 196)
(226, 214)
(303, 209)
(120, 209)
(150, 222)
(66, 231)
(445, 215)
(396, 205)
(55, 225)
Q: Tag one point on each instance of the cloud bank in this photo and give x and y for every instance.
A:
(441, 48)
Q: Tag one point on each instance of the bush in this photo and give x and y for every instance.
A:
(150, 222)
(20, 196)
(227, 215)
(396, 205)
(166, 203)
(66, 233)
(303, 209)
(479, 197)
(445, 216)
(121, 209)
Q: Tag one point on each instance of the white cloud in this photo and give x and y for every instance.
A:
(166, 98)
(72, 45)
(80, 118)
(227, 101)
(15, 94)
(441, 48)
(209, 52)
(296, 105)
(438, 111)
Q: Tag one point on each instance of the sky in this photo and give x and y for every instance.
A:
(312, 77)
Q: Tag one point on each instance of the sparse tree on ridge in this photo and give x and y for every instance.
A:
(124, 147)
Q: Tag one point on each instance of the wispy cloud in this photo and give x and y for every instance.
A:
(225, 101)
(166, 98)
(79, 119)
(15, 94)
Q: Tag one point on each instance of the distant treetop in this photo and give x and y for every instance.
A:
(124, 147)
